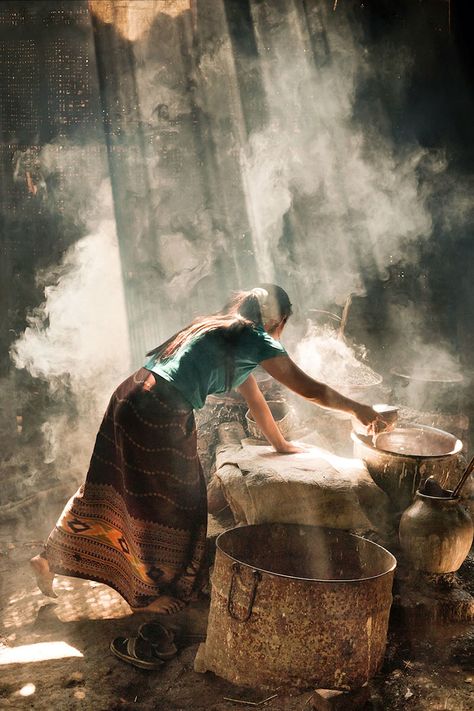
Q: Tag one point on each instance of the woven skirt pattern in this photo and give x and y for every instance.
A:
(138, 523)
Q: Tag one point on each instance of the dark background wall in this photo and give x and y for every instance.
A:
(49, 91)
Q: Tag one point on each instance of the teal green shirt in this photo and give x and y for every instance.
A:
(197, 369)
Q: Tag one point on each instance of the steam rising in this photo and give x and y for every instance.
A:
(328, 358)
(354, 205)
(77, 342)
(82, 316)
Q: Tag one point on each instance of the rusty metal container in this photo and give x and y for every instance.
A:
(297, 607)
(400, 460)
(436, 534)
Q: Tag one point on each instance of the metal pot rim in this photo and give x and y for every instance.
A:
(308, 580)
(454, 378)
(457, 448)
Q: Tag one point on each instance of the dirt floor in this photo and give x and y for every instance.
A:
(427, 666)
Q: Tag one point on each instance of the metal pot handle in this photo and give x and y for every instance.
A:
(230, 601)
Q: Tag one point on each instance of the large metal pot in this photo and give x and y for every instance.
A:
(429, 391)
(400, 460)
(297, 607)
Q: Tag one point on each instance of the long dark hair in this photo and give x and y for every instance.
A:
(243, 311)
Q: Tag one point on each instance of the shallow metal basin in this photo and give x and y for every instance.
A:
(400, 460)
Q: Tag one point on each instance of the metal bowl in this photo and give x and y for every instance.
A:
(400, 460)
(418, 441)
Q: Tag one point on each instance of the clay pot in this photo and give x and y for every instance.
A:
(436, 534)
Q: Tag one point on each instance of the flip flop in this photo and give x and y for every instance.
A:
(160, 638)
(135, 651)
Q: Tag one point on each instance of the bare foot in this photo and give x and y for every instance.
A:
(44, 577)
(163, 605)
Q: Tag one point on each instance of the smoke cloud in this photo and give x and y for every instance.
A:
(354, 202)
(329, 358)
(76, 340)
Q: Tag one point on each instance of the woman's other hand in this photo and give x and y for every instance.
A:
(291, 448)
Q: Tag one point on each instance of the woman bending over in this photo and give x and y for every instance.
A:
(138, 523)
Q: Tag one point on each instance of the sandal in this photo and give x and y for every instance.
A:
(160, 638)
(136, 651)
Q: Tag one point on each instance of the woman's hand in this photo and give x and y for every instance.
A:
(371, 419)
(264, 418)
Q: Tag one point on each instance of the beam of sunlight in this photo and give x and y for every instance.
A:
(133, 19)
(77, 599)
(39, 652)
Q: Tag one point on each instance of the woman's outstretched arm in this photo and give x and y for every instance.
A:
(283, 369)
(264, 418)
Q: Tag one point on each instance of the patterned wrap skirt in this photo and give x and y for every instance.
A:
(139, 521)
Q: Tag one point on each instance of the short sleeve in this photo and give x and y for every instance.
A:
(269, 347)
